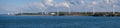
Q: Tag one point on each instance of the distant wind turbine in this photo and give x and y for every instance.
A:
(92, 7)
(8, 13)
(111, 2)
(42, 8)
(83, 2)
(94, 3)
(58, 12)
(68, 6)
(113, 9)
(20, 10)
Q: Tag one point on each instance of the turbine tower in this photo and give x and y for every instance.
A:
(113, 9)
(20, 11)
(112, 3)
(42, 8)
(58, 12)
(93, 4)
(83, 2)
(42, 11)
(68, 6)
(8, 13)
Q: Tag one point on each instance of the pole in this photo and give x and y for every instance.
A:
(8, 13)
(113, 9)
(69, 11)
(21, 11)
(57, 12)
(93, 11)
(42, 12)
(86, 11)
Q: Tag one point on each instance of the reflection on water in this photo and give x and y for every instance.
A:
(59, 22)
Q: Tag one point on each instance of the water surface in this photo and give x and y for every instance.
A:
(59, 22)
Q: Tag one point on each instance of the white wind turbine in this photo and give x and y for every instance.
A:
(111, 2)
(47, 3)
(40, 6)
(20, 10)
(92, 6)
(93, 3)
(8, 12)
(107, 2)
(58, 12)
(66, 4)
(42, 11)
(113, 9)
(83, 2)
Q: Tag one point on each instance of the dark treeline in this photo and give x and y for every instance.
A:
(73, 14)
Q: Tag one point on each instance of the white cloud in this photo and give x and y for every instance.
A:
(83, 2)
(111, 1)
(76, 4)
(62, 4)
(39, 5)
(49, 2)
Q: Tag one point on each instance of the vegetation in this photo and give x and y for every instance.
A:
(73, 14)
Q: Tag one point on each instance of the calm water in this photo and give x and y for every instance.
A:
(59, 22)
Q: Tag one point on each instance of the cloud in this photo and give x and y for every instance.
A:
(39, 5)
(54, 4)
(111, 1)
(63, 4)
(49, 2)
(79, 5)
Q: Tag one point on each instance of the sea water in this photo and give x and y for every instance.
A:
(59, 22)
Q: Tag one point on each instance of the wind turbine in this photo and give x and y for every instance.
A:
(111, 2)
(69, 11)
(68, 6)
(113, 9)
(83, 2)
(8, 13)
(58, 12)
(92, 6)
(42, 8)
(20, 11)
(42, 11)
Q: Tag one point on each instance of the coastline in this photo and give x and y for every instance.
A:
(65, 14)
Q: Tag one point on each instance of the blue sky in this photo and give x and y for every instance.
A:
(18, 2)
(16, 6)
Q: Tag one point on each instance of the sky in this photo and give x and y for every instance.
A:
(34, 6)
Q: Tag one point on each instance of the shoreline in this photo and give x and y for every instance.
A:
(66, 14)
